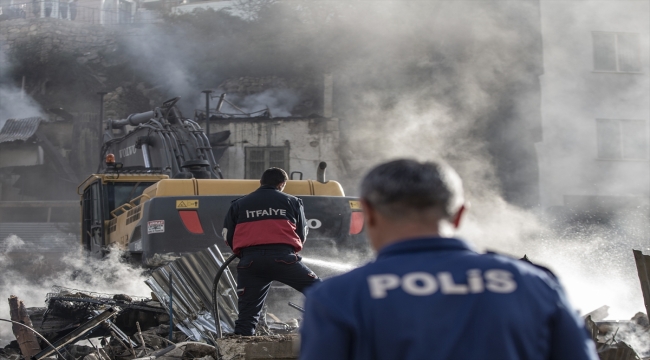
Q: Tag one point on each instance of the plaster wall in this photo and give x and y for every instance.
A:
(309, 141)
(20, 154)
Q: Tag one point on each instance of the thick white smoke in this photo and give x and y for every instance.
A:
(469, 48)
(14, 103)
(595, 263)
(31, 276)
(413, 79)
(278, 101)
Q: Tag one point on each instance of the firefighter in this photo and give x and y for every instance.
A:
(266, 229)
(429, 295)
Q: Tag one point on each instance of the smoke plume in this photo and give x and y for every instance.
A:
(451, 80)
(14, 103)
(30, 275)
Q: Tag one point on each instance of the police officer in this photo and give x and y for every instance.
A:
(266, 229)
(430, 296)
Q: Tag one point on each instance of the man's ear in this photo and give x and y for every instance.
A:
(369, 213)
(458, 216)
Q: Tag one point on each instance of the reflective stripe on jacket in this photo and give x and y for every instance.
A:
(265, 216)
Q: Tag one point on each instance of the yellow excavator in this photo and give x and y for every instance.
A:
(158, 194)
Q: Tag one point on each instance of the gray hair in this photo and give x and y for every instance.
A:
(403, 187)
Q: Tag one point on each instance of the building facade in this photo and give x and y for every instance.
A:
(595, 104)
(296, 145)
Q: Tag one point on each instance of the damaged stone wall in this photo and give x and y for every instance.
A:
(63, 64)
(72, 36)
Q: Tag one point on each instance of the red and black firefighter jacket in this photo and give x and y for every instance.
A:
(264, 217)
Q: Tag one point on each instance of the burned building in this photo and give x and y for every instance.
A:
(40, 168)
(295, 144)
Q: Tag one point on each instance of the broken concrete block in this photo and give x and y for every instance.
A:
(259, 347)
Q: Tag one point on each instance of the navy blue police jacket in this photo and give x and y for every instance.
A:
(265, 216)
(435, 298)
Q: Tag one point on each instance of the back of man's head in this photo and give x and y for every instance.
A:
(273, 177)
(410, 189)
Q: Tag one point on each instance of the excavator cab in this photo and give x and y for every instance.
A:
(100, 197)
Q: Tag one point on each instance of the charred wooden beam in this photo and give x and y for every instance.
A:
(25, 337)
(79, 332)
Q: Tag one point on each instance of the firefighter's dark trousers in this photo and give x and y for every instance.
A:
(258, 267)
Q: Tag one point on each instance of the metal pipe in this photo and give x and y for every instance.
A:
(166, 150)
(194, 128)
(297, 307)
(320, 172)
(210, 157)
(133, 119)
(101, 124)
(169, 146)
(171, 305)
(145, 155)
(220, 103)
(238, 109)
(198, 144)
(177, 153)
(207, 111)
(179, 146)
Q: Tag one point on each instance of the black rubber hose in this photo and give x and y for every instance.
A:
(215, 310)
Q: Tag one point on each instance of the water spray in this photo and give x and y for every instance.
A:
(329, 264)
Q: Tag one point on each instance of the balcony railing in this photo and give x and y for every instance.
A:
(124, 13)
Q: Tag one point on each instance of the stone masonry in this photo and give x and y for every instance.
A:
(67, 35)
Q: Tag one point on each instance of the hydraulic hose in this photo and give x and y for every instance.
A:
(217, 320)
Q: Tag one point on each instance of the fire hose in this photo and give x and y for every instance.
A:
(217, 321)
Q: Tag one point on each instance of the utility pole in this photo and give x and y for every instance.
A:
(207, 113)
(101, 123)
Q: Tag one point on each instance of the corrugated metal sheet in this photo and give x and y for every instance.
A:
(617, 351)
(36, 238)
(19, 129)
(192, 278)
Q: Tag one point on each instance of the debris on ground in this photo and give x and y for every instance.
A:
(91, 326)
(79, 324)
(259, 347)
(191, 279)
(26, 339)
(615, 339)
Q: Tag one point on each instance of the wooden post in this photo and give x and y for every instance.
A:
(26, 338)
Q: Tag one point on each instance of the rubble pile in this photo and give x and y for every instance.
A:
(122, 326)
(614, 339)
(179, 321)
(79, 324)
